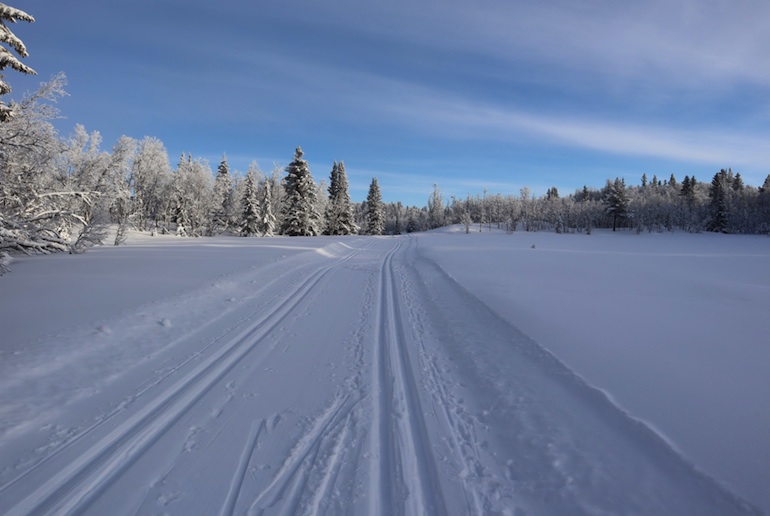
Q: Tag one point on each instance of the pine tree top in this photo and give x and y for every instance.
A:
(224, 168)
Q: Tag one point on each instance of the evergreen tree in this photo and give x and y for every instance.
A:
(267, 215)
(11, 15)
(585, 195)
(672, 182)
(764, 206)
(339, 210)
(552, 193)
(223, 198)
(250, 218)
(687, 191)
(765, 188)
(616, 201)
(738, 185)
(375, 211)
(300, 216)
(718, 193)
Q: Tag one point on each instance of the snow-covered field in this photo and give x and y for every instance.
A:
(433, 373)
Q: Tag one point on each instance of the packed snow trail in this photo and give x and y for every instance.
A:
(399, 433)
(356, 378)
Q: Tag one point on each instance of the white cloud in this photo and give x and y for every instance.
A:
(435, 113)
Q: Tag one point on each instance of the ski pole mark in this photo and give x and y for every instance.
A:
(291, 480)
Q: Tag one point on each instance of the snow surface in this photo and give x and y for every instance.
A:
(432, 373)
(672, 326)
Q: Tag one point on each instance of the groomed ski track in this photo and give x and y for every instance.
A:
(354, 379)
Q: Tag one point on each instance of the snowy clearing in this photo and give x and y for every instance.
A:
(422, 374)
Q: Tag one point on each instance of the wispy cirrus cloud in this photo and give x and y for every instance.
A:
(685, 41)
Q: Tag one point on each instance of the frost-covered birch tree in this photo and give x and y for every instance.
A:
(121, 161)
(192, 196)
(151, 183)
(30, 149)
(81, 185)
(436, 208)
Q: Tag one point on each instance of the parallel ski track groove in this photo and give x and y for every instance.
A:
(74, 487)
(402, 439)
(104, 418)
(228, 507)
(465, 450)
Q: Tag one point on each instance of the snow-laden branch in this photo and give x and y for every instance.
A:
(7, 59)
(13, 15)
(6, 36)
(52, 214)
(86, 195)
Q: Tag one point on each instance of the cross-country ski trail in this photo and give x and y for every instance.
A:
(356, 378)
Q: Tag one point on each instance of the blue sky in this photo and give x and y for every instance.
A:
(469, 94)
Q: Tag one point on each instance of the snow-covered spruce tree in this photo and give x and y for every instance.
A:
(222, 200)
(266, 212)
(719, 194)
(300, 216)
(250, 218)
(330, 215)
(345, 219)
(7, 59)
(616, 201)
(764, 206)
(339, 211)
(375, 210)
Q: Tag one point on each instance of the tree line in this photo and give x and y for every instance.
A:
(64, 194)
(725, 204)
